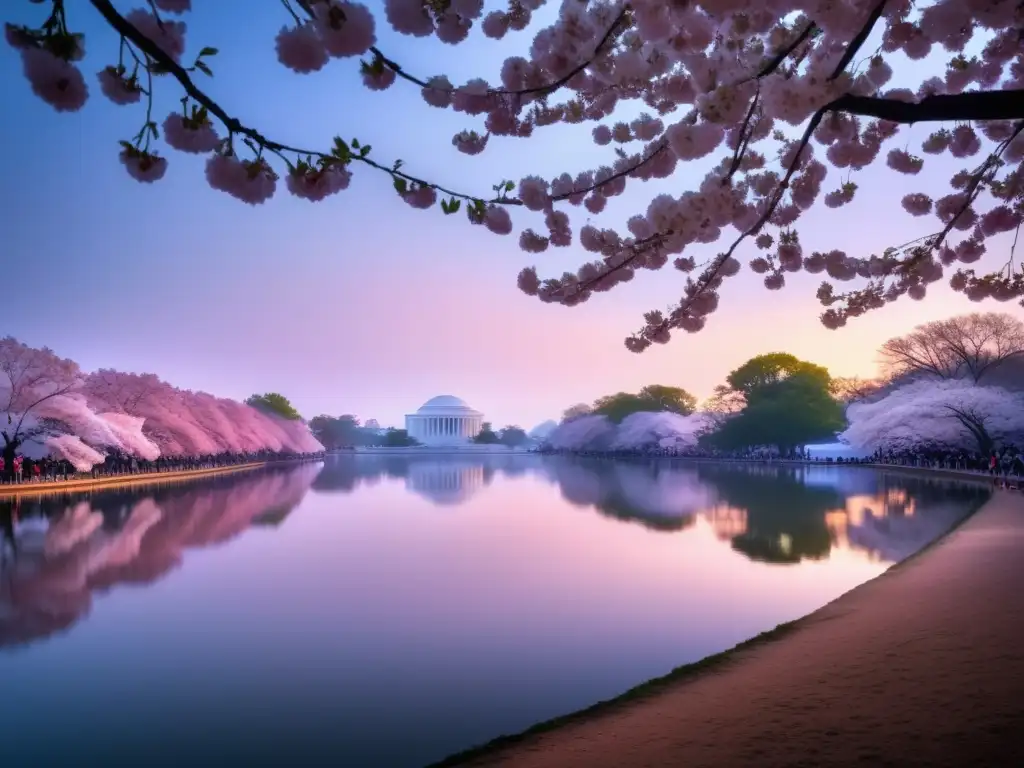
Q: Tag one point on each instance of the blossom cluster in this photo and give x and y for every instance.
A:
(777, 92)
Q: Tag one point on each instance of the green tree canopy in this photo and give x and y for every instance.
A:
(760, 375)
(275, 403)
(653, 397)
(487, 435)
(575, 411)
(787, 403)
(512, 436)
(398, 438)
(341, 432)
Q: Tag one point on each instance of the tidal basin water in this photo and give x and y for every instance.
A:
(383, 611)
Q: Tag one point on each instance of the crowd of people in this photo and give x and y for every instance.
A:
(53, 469)
(1005, 465)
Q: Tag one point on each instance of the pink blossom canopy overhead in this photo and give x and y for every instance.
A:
(81, 417)
(789, 98)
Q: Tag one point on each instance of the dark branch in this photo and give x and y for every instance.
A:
(972, 105)
(858, 41)
(772, 64)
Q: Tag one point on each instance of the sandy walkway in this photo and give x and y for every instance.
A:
(144, 478)
(923, 666)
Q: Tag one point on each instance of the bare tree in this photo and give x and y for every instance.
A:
(853, 389)
(969, 346)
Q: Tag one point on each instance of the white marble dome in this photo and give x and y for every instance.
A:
(444, 401)
(444, 420)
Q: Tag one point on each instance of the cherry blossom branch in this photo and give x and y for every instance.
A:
(234, 126)
(772, 64)
(543, 90)
(858, 40)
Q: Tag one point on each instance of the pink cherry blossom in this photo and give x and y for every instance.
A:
(378, 76)
(917, 204)
(196, 136)
(55, 81)
(169, 36)
(965, 142)
(301, 49)
(531, 242)
(904, 162)
(118, 88)
(602, 135)
(421, 197)
(315, 184)
(1002, 218)
(346, 29)
(470, 142)
(438, 92)
(495, 25)
(143, 166)
(498, 220)
(251, 181)
(410, 17)
(533, 192)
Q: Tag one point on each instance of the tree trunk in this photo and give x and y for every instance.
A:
(10, 450)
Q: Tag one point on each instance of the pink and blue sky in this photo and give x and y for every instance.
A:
(361, 304)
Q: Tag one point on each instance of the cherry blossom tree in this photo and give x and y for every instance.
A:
(969, 346)
(121, 392)
(951, 413)
(46, 399)
(790, 98)
(29, 378)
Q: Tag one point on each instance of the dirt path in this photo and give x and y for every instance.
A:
(923, 666)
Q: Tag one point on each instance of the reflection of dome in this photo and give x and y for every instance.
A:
(444, 420)
(444, 482)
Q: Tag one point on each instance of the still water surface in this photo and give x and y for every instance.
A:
(384, 611)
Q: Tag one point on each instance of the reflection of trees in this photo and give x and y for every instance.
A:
(658, 495)
(442, 480)
(68, 551)
(785, 519)
(903, 515)
(790, 514)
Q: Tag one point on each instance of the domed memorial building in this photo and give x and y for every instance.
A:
(444, 420)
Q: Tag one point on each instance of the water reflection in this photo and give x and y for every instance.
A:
(769, 513)
(56, 557)
(353, 622)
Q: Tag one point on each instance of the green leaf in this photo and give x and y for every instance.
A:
(454, 205)
(364, 151)
(207, 51)
(400, 186)
(355, 143)
(153, 129)
(201, 66)
(509, 186)
(444, 206)
(398, 164)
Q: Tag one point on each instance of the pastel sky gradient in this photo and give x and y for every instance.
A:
(361, 304)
